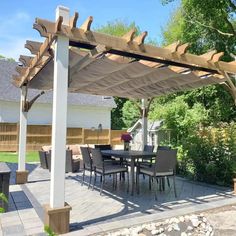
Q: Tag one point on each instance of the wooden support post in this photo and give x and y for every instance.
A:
(110, 138)
(22, 173)
(144, 122)
(59, 117)
(83, 136)
(234, 185)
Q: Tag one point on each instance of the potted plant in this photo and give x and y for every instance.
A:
(126, 138)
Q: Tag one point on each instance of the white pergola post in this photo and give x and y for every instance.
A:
(22, 173)
(144, 122)
(59, 115)
(57, 215)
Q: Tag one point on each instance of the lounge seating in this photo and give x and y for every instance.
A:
(165, 166)
(87, 163)
(48, 158)
(76, 153)
(103, 168)
(72, 165)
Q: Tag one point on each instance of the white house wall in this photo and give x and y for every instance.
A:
(77, 116)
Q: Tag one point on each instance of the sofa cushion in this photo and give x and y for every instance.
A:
(46, 148)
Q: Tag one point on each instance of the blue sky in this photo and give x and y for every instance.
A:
(17, 18)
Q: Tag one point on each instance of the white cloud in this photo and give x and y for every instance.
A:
(22, 16)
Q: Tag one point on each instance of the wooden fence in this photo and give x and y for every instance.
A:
(39, 135)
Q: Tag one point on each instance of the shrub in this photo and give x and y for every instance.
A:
(210, 155)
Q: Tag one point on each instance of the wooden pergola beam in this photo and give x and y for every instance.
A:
(119, 46)
(26, 60)
(73, 20)
(140, 38)
(33, 63)
(87, 24)
(127, 46)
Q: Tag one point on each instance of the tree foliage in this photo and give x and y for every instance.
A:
(6, 58)
(179, 116)
(130, 113)
(206, 25)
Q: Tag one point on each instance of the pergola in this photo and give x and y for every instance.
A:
(79, 60)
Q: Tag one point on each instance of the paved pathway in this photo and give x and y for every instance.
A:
(92, 212)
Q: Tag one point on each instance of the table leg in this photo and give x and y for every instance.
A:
(132, 175)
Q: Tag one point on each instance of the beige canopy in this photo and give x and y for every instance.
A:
(119, 66)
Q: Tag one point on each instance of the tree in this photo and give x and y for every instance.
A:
(130, 113)
(206, 25)
(6, 58)
(179, 116)
(117, 28)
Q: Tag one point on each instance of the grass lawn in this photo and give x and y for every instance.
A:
(13, 157)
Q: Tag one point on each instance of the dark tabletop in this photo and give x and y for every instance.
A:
(122, 153)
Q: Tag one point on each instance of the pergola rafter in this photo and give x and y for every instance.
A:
(119, 49)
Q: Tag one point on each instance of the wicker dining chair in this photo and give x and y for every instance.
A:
(149, 161)
(164, 166)
(72, 165)
(87, 163)
(102, 168)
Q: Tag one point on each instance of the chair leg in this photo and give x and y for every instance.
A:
(163, 183)
(83, 178)
(137, 182)
(102, 183)
(160, 185)
(123, 175)
(174, 186)
(115, 181)
(156, 188)
(90, 179)
(150, 183)
(94, 180)
(128, 181)
(168, 181)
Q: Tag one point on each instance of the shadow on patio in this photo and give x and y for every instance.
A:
(89, 208)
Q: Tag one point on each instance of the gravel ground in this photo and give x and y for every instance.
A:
(220, 221)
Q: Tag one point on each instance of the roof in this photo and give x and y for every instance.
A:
(8, 92)
(151, 125)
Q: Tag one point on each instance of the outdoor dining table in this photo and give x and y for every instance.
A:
(133, 156)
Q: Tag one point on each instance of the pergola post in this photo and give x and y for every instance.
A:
(22, 173)
(57, 213)
(144, 122)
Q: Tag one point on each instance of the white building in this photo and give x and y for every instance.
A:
(152, 139)
(84, 110)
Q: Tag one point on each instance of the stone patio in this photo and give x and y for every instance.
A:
(92, 213)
